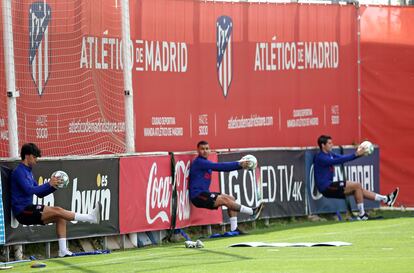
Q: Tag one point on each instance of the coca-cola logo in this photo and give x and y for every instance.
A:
(158, 196)
(182, 172)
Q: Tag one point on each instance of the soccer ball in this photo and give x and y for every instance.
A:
(252, 161)
(368, 147)
(63, 178)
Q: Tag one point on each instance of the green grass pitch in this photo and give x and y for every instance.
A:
(377, 246)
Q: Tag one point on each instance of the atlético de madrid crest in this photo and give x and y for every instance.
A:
(224, 52)
(39, 56)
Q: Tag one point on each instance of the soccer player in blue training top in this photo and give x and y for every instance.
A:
(23, 186)
(324, 162)
(200, 180)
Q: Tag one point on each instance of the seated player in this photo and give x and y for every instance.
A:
(200, 180)
(23, 186)
(324, 162)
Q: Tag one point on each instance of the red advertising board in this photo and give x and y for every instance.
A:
(236, 74)
(145, 193)
(387, 43)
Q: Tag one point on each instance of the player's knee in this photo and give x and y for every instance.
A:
(228, 197)
(58, 210)
(229, 203)
(358, 185)
(231, 200)
(353, 185)
(225, 200)
(220, 200)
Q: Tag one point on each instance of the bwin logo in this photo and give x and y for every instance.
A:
(224, 41)
(84, 201)
(39, 56)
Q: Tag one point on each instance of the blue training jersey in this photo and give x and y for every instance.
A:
(324, 167)
(23, 186)
(200, 174)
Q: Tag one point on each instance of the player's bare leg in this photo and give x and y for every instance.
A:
(228, 201)
(355, 188)
(233, 208)
(60, 216)
(61, 228)
(51, 214)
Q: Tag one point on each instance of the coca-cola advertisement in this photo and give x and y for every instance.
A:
(90, 181)
(145, 193)
(146, 187)
(187, 213)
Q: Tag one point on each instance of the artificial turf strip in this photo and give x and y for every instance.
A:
(378, 246)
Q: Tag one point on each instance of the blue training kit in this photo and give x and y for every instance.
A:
(200, 174)
(324, 167)
(23, 186)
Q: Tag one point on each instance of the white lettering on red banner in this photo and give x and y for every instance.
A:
(158, 196)
(182, 172)
(106, 53)
(277, 56)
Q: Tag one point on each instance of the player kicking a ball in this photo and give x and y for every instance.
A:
(324, 162)
(200, 180)
(23, 186)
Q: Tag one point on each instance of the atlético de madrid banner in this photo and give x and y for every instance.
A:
(243, 74)
(237, 74)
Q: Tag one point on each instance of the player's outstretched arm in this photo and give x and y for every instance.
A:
(221, 166)
(326, 160)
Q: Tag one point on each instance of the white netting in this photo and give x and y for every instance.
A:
(69, 76)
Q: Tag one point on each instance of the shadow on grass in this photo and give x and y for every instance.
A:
(73, 266)
(161, 267)
(168, 268)
(232, 258)
(235, 256)
(200, 251)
